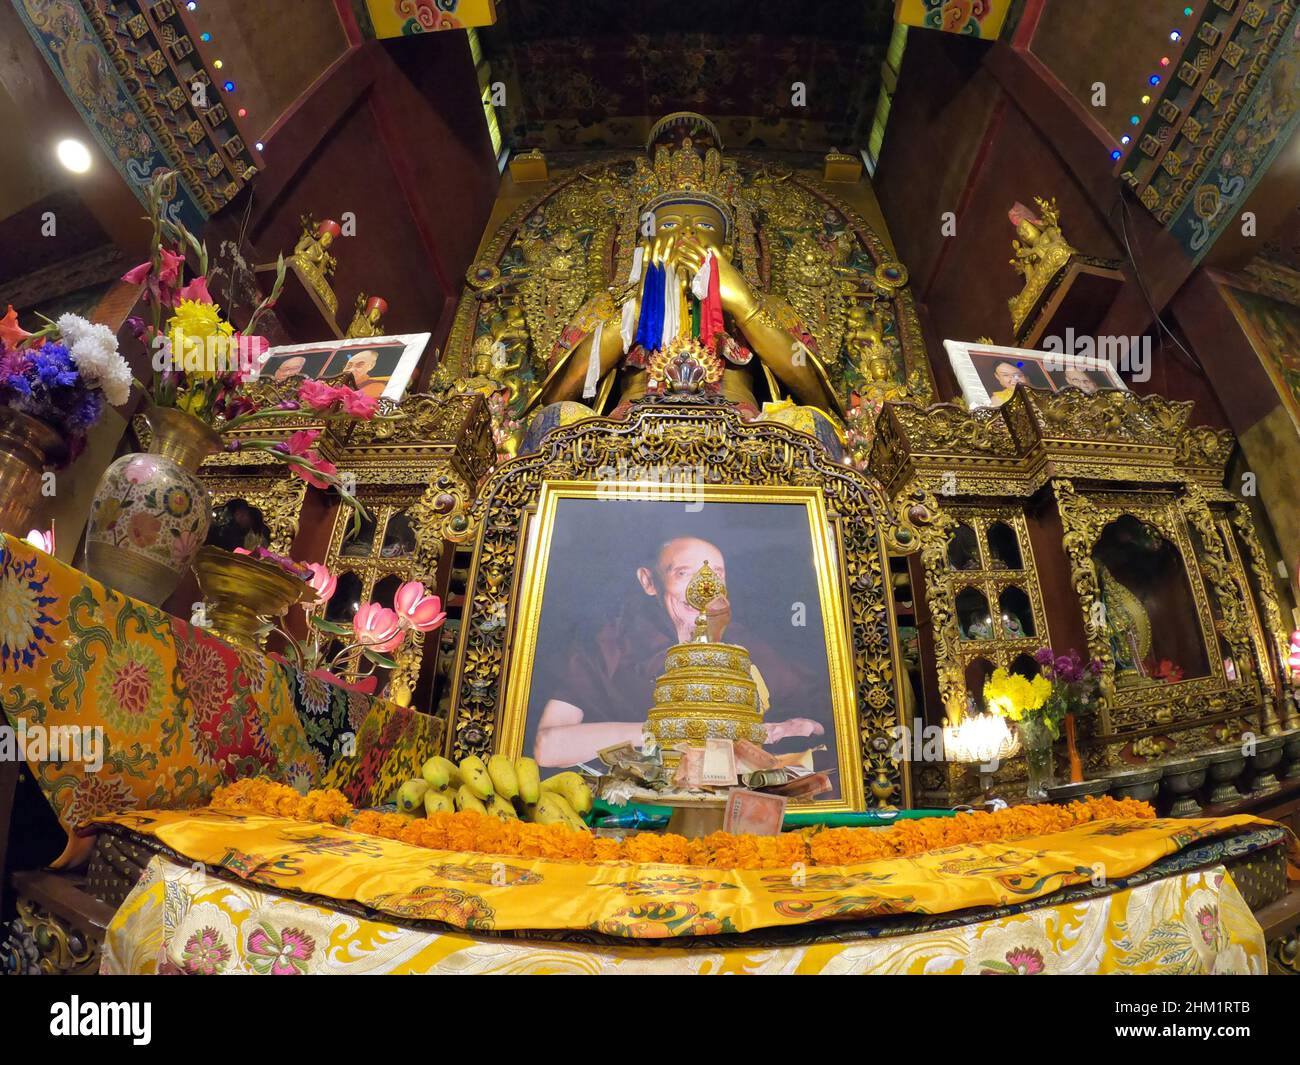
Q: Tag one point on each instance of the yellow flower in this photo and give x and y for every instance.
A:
(198, 321)
(1012, 695)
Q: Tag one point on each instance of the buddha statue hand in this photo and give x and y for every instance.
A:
(738, 298)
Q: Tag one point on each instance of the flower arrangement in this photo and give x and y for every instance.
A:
(62, 375)
(1018, 698)
(376, 631)
(486, 834)
(200, 360)
(1075, 684)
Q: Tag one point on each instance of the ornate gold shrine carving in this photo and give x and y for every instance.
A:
(416, 475)
(1060, 469)
(713, 439)
(794, 238)
(1040, 253)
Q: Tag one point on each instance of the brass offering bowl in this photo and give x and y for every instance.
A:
(242, 593)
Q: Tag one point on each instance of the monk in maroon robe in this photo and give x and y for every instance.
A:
(602, 692)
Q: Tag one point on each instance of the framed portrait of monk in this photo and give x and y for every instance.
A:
(605, 568)
(382, 367)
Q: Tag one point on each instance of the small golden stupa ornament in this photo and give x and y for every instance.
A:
(703, 588)
(706, 689)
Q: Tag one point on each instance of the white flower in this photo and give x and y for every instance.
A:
(116, 383)
(94, 351)
(72, 327)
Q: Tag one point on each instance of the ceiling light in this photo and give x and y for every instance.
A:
(73, 154)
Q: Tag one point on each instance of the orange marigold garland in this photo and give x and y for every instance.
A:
(477, 833)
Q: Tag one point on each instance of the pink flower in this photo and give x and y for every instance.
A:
(171, 267)
(138, 275)
(322, 582)
(358, 404)
(377, 628)
(163, 283)
(318, 395)
(418, 609)
(301, 442)
(140, 470)
(196, 290)
(317, 475)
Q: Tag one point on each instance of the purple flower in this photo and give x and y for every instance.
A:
(1095, 667)
(1043, 656)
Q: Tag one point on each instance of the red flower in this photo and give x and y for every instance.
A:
(11, 333)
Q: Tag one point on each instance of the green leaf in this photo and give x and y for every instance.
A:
(332, 627)
(380, 660)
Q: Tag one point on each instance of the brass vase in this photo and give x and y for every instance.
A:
(242, 593)
(150, 514)
(27, 448)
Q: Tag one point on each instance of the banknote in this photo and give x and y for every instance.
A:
(719, 763)
(753, 813)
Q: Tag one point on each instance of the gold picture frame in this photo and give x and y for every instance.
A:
(537, 540)
(719, 448)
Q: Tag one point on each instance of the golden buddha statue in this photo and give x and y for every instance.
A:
(367, 320)
(864, 340)
(312, 259)
(686, 316)
(1040, 253)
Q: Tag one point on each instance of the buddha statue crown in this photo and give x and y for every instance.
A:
(686, 149)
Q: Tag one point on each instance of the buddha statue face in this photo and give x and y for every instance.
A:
(1027, 231)
(701, 221)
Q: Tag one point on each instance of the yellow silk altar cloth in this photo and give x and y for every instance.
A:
(182, 920)
(483, 892)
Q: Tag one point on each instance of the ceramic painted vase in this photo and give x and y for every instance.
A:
(150, 514)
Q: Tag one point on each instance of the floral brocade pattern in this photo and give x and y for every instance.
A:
(180, 921)
(180, 712)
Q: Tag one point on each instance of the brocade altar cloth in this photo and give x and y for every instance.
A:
(179, 920)
(323, 865)
(177, 711)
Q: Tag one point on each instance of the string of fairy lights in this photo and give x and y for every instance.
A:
(218, 64)
(1154, 80)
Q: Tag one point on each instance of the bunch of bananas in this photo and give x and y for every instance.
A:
(501, 787)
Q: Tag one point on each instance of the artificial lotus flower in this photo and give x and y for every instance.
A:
(416, 608)
(322, 582)
(43, 539)
(377, 628)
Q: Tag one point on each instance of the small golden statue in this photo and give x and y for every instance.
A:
(1041, 252)
(312, 259)
(864, 340)
(702, 589)
(368, 319)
